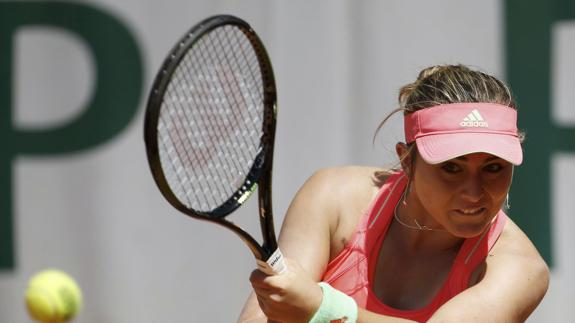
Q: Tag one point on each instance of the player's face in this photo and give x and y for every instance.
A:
(462, 194)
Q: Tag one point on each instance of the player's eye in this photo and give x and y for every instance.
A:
(450, 167)
(493, 168)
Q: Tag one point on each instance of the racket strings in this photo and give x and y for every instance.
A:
(230, 93)
(237, 93)
(215, 99)
(181, 120)
(247, 95)
(249, 61)
(182, 115)
(176, 175)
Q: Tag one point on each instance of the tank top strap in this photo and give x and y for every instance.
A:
(474, 251)
(478, 248)
(371, 225)
(388, 195)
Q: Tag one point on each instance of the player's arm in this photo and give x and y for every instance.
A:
(298, 299)
(306, 231)
(515, 281)
(312, 233)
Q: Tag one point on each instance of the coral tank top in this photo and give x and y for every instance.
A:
(352, 271)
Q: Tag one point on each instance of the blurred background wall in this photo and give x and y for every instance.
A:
(76, 192)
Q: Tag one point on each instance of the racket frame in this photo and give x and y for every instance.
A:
(260, 174)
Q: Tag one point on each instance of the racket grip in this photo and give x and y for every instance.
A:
(275, 264)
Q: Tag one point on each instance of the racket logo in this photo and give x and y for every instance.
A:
(210, 111)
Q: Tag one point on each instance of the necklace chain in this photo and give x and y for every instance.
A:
(417, 226)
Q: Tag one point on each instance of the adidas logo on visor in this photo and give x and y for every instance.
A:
(474, 120)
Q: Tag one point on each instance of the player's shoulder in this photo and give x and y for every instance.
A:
(517, 271)
(514, 250)
(346, 172)
(514, 242)
(346, 177)
(344, 184)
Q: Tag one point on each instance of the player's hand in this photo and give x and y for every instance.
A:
(288, 297)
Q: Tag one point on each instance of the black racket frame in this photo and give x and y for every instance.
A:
(260, 174)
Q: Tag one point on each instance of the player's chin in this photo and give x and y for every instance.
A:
(470, 225)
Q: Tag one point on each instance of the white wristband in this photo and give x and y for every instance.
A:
(335, 307)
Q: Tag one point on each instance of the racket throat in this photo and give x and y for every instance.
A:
(273, 265)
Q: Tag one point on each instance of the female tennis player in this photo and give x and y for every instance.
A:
(426, 242)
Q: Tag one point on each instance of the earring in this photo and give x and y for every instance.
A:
(507, 206)
(407, 190)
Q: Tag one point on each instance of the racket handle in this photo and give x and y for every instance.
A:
(275, 264)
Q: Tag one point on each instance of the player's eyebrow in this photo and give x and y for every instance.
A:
(488, 159)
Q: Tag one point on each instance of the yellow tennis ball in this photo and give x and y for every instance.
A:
(53, 297)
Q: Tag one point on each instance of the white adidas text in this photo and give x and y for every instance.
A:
(476, 124)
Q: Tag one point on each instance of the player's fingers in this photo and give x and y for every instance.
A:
(260, 280)
(267, 303)
(261, 302)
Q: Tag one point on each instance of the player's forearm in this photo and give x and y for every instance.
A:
(251, 313)
(252, 317)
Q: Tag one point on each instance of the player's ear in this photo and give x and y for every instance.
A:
(405, 157)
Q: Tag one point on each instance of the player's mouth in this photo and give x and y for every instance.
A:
(470, 211)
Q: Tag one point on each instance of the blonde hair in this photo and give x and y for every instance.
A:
(444, 84)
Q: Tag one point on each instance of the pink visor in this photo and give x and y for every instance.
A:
(448, 131)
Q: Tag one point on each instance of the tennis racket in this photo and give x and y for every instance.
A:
(210, 125)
